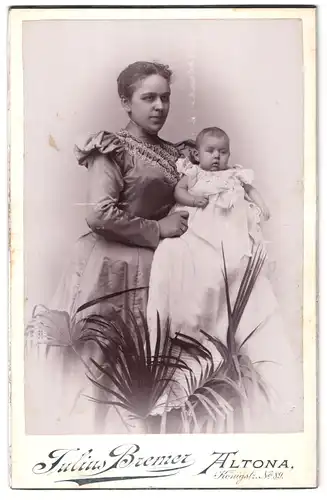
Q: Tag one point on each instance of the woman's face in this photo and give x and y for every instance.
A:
(149, 105)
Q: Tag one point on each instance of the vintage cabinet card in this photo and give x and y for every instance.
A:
(163, 247)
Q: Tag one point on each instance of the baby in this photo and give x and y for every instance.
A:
(212, 154)
(187, 286)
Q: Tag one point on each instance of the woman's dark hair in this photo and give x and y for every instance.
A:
(140, 70)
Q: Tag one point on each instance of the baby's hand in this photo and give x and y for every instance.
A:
(265, 213)
(200, 201)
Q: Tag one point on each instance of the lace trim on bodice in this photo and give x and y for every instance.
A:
(163, 155)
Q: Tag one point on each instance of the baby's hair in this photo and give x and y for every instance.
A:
(137, 71)
(210, 131)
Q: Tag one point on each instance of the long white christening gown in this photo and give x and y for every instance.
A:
(187, 286)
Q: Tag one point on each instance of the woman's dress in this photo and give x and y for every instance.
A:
(131, 186)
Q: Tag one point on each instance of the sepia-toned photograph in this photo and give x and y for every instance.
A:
(163, 226)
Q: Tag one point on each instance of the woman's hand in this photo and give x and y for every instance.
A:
(174, 225)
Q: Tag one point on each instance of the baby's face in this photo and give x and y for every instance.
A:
(214, 153)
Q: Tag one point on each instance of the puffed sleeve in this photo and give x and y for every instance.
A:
(244, 175)
(185, 167)
(103, 155)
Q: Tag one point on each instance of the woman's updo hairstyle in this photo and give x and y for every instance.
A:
(137, 71)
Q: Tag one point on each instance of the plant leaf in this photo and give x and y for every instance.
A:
(194, 419)
(93, 302)
(109, 391)
(230, 329)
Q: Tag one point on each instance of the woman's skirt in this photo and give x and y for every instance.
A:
(59, 395)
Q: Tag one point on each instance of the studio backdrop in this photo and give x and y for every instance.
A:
(244, 76)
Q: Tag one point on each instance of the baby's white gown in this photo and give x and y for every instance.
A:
(187, 286)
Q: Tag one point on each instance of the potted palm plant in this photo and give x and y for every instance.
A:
(216, 399)
(137, 379)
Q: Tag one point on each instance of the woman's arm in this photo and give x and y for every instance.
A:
(105, 218)
(256, 197)
(183, 197)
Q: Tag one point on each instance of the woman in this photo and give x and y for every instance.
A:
(132, 176)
